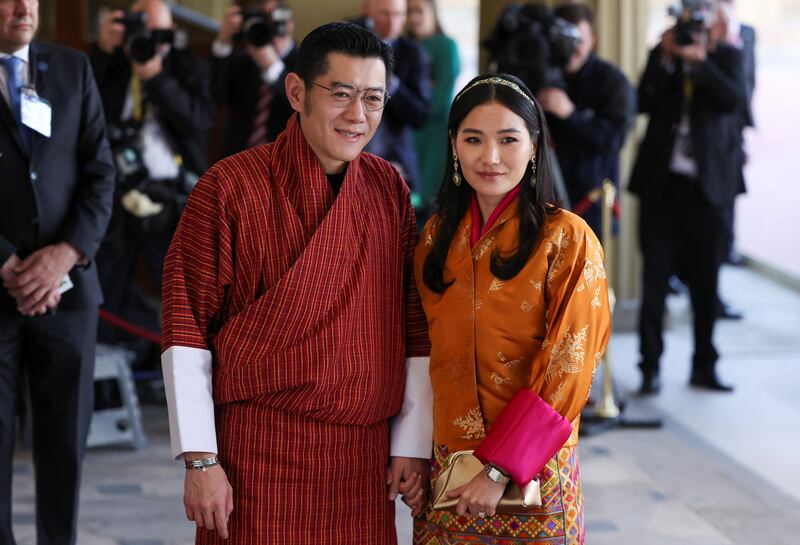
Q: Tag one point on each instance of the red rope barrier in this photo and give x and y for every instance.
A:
(133, 329)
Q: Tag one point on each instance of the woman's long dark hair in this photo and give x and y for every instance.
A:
(534, 201)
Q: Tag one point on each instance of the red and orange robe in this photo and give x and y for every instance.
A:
(302, 308)
(546, 330)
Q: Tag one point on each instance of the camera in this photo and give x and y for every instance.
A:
(141, 42)
(260, 27)
(690, 18)
(533, 44)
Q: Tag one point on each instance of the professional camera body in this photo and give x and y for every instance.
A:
(690, 18)
(533, 44)
(260, 27)
(141, 42)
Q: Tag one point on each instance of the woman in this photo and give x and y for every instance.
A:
(516, 299)
(442, 52)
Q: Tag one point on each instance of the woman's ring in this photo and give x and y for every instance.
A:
(481, 514)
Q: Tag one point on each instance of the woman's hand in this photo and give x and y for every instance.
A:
(409, 477)
(479, 497)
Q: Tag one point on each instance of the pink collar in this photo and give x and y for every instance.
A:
(477, 230)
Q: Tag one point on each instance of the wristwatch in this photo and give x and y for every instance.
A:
(496, 474)
(202, 464)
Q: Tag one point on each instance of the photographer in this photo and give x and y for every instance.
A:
(251, 82)
(686, 175)
(158, 107)
(589, 118)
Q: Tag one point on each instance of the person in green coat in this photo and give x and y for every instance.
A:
(442, 51)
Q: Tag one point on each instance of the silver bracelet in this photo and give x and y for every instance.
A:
(201, 464)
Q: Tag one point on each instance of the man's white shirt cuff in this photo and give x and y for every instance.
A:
(188, 385)
(412, 429)
(221, 50)
(273, 73)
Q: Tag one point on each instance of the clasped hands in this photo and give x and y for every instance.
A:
(34, 281)
(409, 477)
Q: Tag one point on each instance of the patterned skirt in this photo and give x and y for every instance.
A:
(302, 482)
(559, 521)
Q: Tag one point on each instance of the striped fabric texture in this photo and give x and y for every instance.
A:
(308, 305)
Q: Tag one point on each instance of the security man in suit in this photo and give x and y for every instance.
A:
(408, 88)
(685, 176)
(56, 187)
(251, 81)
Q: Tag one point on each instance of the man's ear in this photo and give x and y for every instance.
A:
(295, 91)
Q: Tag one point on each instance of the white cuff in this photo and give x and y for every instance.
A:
(412, 429)
(220, 50)
(187, 381)
(273, 73)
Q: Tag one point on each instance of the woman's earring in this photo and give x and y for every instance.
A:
(533, 171)
(456, 175)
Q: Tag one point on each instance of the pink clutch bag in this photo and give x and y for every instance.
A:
(524, 437)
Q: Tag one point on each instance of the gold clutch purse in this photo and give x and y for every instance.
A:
(462, 467)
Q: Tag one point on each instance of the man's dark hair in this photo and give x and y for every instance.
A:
(339, 37)
(575, 13)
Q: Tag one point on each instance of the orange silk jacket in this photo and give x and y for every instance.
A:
(545, 329)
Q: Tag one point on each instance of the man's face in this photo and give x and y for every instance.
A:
(583, 49)
(389, 17)
(337, 134)
(19, 20)
(158, 14)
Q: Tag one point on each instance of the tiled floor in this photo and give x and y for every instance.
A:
(723, 469)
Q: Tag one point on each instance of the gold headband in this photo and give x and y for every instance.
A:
(495, 80)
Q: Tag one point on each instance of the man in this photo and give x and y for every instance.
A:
(250, 82)
(407, 85)
(589, 119)
(742, 37)
(158, 110)
(55, 202)
(685, 176)
(289, 281)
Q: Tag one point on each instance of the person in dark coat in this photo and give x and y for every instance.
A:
(685, 176)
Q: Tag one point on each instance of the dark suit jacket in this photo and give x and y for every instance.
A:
(63, 191)
(713, 120)
(181, 92)
(407, 109)
(748, 35)
(236, 81)
(588, 142)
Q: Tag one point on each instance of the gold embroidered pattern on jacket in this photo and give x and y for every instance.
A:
(568, 355)
(472, 424)
(499, 380)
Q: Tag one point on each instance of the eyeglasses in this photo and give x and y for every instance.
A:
(343, 95)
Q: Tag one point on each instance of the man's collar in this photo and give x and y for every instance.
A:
(22, 53)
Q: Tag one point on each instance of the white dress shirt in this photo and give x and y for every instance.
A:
(24, 71)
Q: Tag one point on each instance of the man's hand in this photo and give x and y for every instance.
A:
(150, 69)
(34, 282)
(478, 497)
(111, 33)
(208, 497)
(231, 24)
(556, 101)
(409, 477)
(264, 57)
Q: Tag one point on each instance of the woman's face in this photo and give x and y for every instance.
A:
(421, 20)
(494, 147)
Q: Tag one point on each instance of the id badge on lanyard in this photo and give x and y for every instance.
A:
(36, 112)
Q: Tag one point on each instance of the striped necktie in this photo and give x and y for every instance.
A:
(259, 134)
(12, 66)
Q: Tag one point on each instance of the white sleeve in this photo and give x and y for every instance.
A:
(412, 429)
(187, 381)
